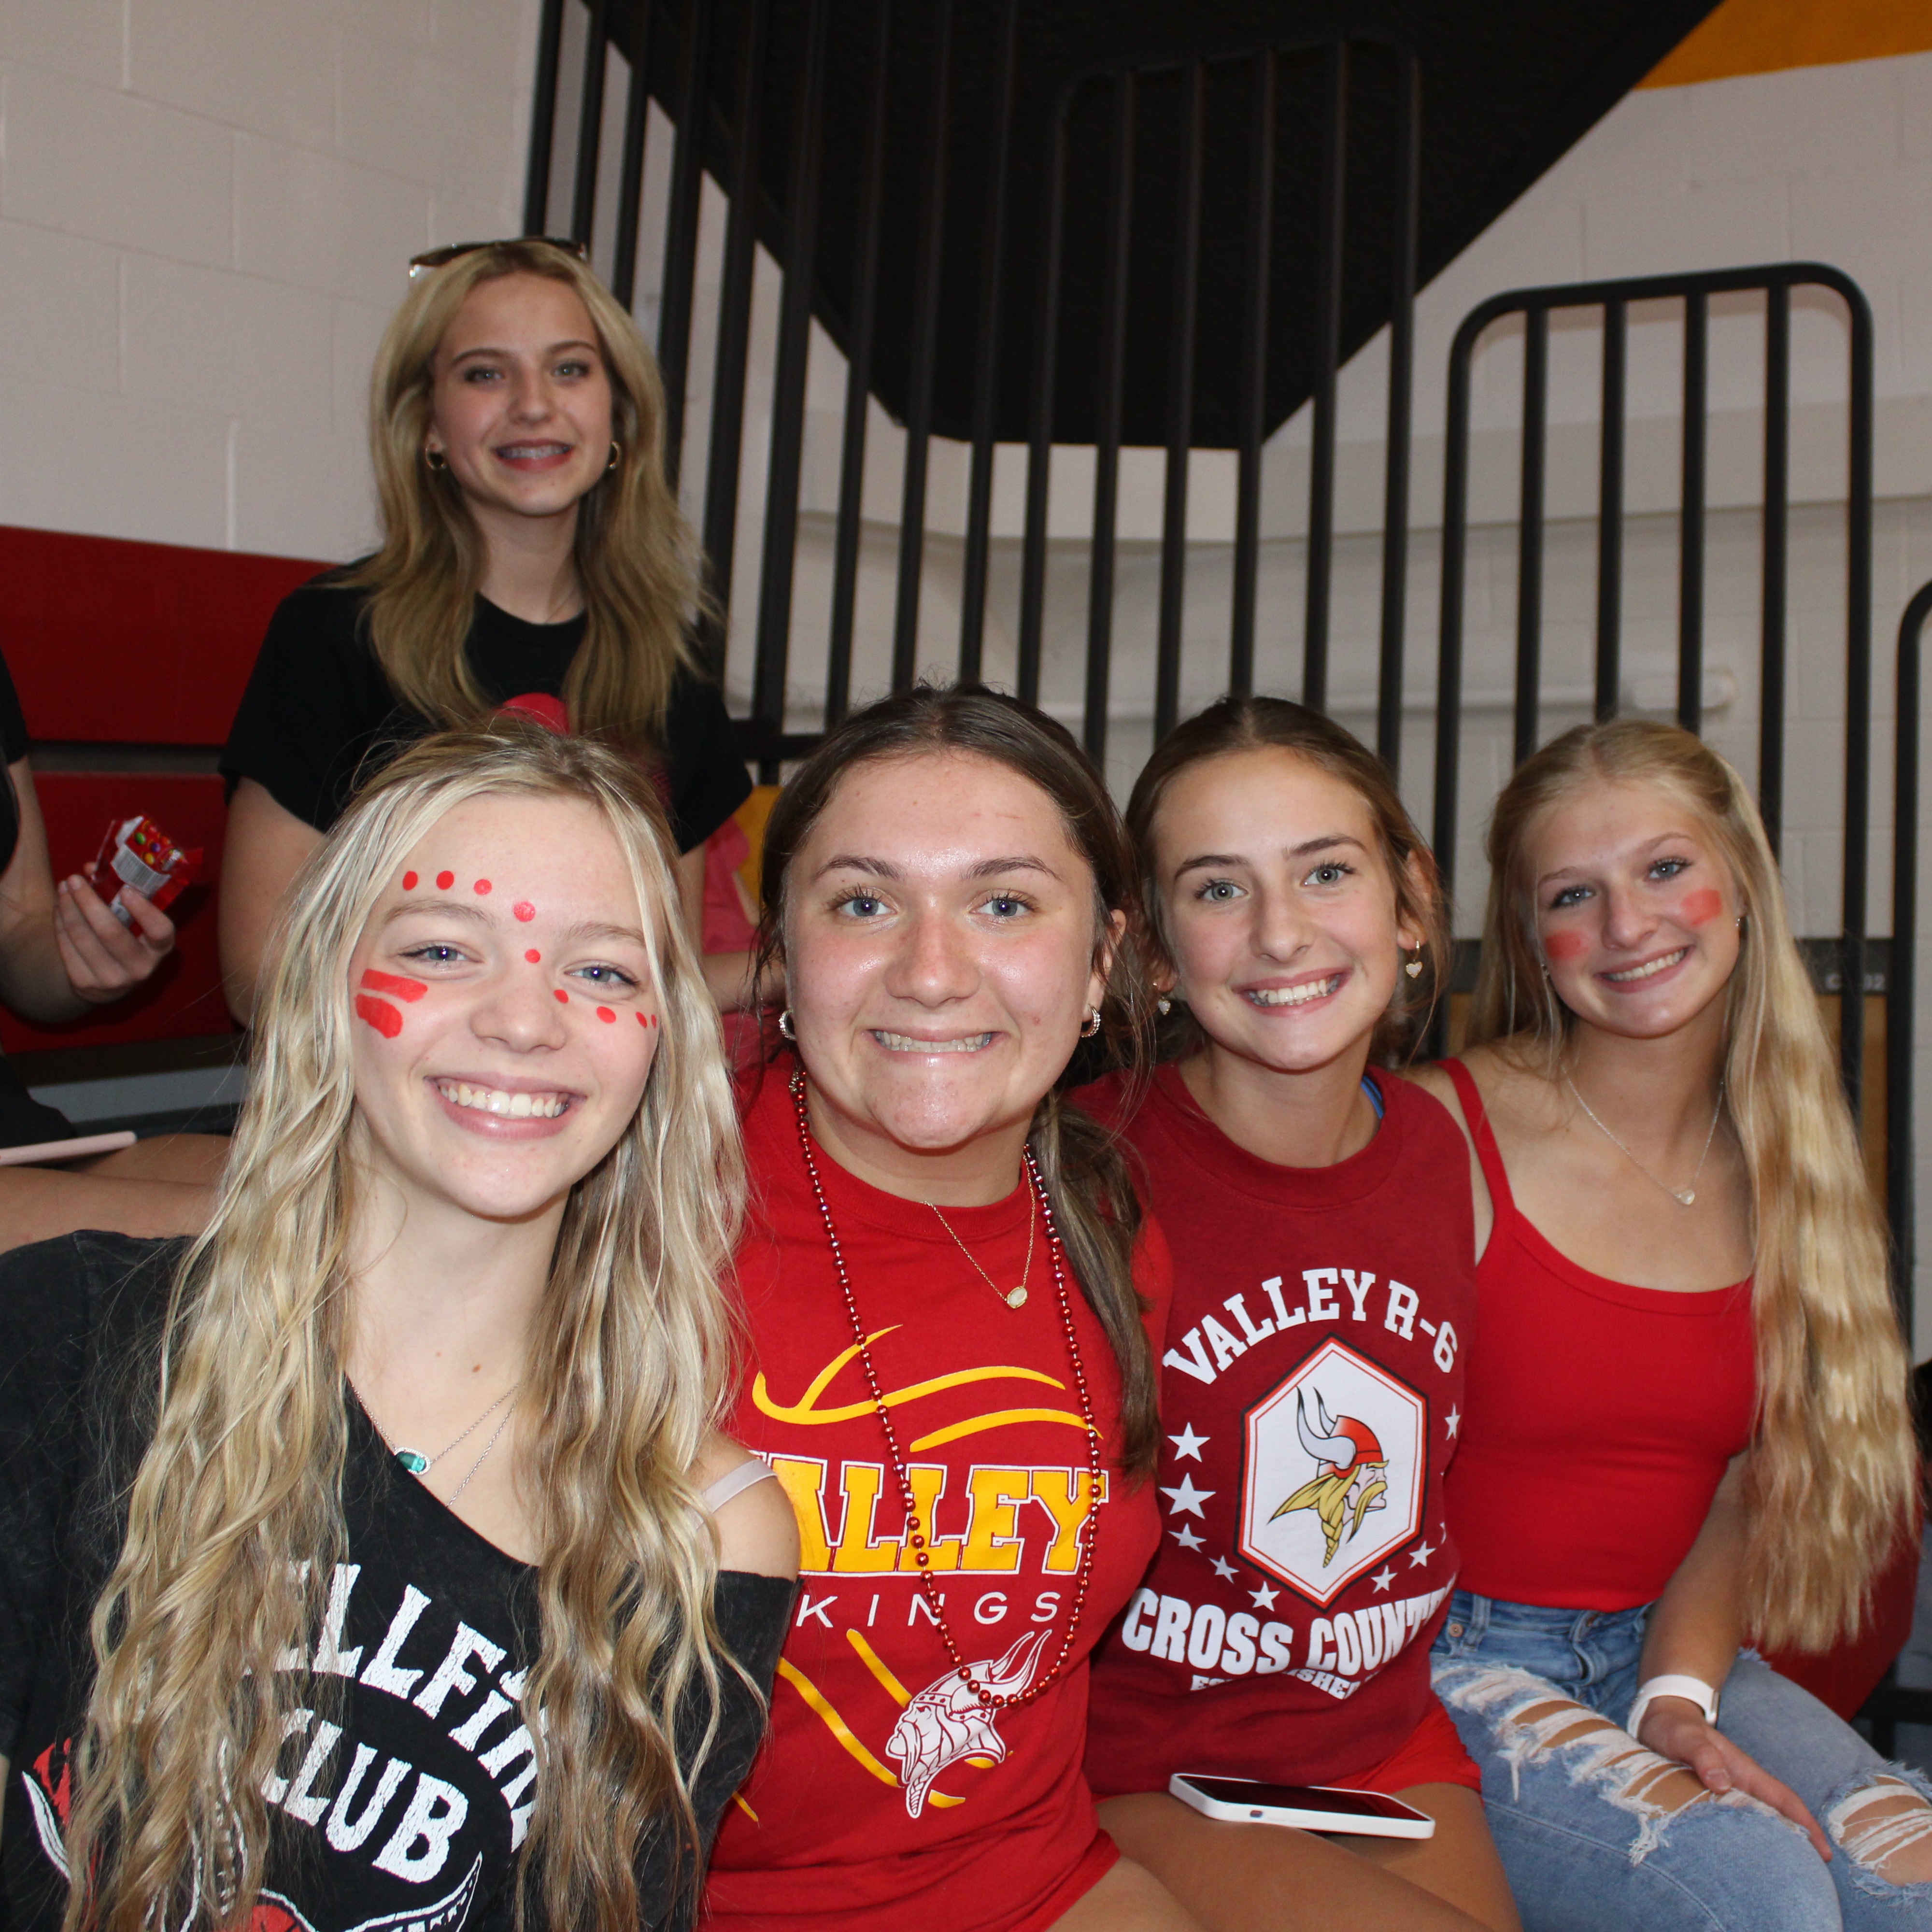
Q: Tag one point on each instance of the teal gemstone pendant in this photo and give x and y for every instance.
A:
(413, 1460)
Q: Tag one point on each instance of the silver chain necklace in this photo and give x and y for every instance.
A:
(1683, 1196)
(419, 1466)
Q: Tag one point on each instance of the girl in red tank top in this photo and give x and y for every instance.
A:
(1312, 1388)
(1686, 1424)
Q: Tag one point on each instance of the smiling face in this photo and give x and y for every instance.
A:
(1635, 908)
(1280, 908)
(521, 402)
(940, 948)
(506, 1013)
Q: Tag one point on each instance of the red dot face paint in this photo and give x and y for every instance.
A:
(444, 880)
(647, 1019)
(383, 1017)
(604, 1014)
(1565, 946)
(481, 889)
(395, 985)
(1700, 907)
(562, 998)
(534, 957)
(524, 910)
(408, 882)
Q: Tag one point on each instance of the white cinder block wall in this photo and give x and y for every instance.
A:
(206, 208)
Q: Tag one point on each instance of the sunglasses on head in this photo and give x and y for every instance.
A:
(436, 258)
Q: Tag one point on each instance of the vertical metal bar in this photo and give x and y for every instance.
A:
(726, 449)
(1858, 697)
(986, 359)
(543, 118)
(858, 381)
(1902, 980)
(1529, 539)
(788, 445)
(1039, 441)
(1610, 515)
(924, 349)
(1109, 375)
(630, 180)
(590, 122)
(1402, 363)
(1690, 541)
(680, 258)
(1329, 254)
(1449, 632)
(1772, 548)
(1254, 376)
(1179, 400)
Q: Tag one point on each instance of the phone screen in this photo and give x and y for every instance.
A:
(1302, 1798)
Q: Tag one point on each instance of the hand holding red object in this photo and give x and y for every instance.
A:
(108, 947)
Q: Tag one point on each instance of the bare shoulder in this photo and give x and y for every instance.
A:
(756, 1530)
(1435, 1082)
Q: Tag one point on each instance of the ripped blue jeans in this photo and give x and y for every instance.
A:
(1587, 1849)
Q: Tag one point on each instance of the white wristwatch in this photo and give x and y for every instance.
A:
(1692, 1689)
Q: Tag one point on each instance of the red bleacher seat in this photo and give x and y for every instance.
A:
(114, 643)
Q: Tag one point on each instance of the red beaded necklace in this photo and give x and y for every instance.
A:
(916, 1530)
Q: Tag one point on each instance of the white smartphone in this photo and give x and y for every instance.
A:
(1314, 1807)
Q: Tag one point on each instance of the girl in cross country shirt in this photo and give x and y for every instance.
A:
(1321, 1223)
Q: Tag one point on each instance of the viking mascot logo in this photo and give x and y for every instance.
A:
(946, 1722)
(1351, 1476)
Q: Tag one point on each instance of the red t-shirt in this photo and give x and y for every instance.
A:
(886, 1798)
(1310, 1401)
(1601, 1416)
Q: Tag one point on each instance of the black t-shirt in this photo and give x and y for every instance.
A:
(13, 747)
(318, 716)
(402, 1795)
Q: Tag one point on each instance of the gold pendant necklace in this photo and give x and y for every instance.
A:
(1014, 1298)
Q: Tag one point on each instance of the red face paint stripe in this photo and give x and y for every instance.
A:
(604, 1014)
(1703, 906)
(562, 998)
(385, 1019)
(647, 1019)
(408, 882)
(395, 985)
(524, 910)
(444, 880)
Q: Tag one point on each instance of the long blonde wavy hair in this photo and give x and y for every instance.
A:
(637, 561)
(1833, 1470)
(235, 1517)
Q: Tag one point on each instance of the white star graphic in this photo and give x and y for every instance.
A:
(1383, 1577)
(1224, 1569)
(1189, 1445)
(1452, 1421)
(1186, 1537)
(1421, 1555)
(1263, 1598)
(1187, 1499)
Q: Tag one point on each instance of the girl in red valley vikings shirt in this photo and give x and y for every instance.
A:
(1324, 1242)
(945, 1281)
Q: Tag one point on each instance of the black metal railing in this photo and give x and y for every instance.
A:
(974, 235)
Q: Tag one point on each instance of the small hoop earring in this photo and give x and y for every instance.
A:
(616, 453)
(435, 460)
(785, 1026)
(1414, 968)
(1163, 1005)
(1092, 1025)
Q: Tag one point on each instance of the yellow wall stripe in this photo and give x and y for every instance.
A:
(1765, 36)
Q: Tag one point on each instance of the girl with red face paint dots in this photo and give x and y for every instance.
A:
(1686, 1426)
(334, 1540)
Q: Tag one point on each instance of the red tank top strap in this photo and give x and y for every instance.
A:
(1487, 1152)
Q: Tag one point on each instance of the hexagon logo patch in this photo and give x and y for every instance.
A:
(1334, 1473)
